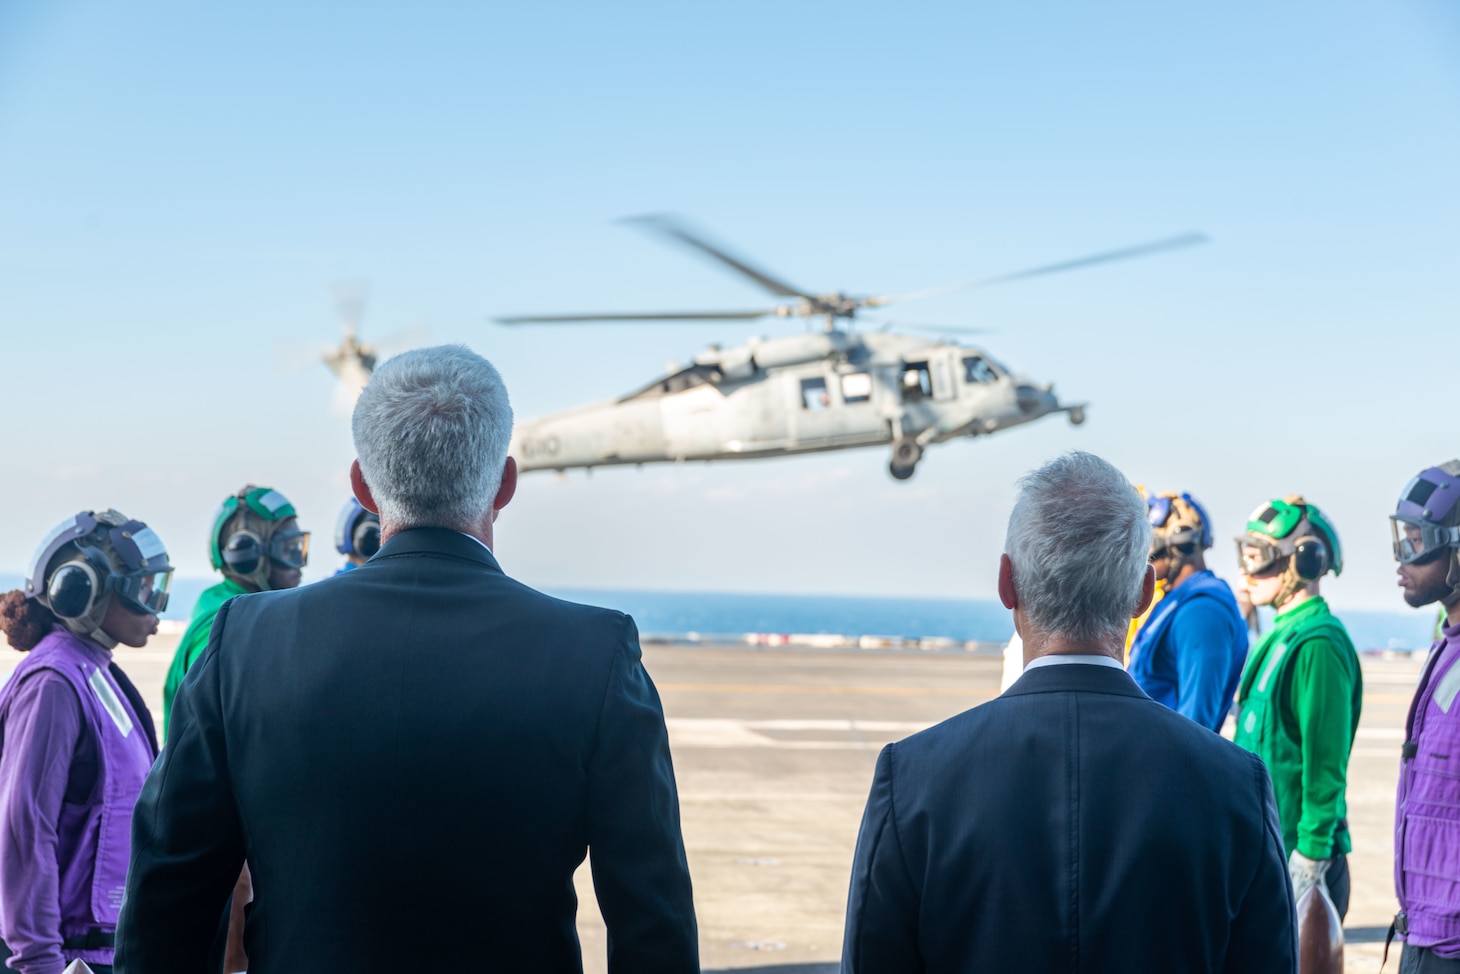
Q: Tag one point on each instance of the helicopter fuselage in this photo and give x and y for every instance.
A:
(352, 363)
(796, 394)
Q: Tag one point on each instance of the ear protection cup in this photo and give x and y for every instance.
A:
(73, 589)
(243, 551)
(1310, 559)
(367, 537)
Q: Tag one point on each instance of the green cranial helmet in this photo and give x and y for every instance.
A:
(246, 536)
(1290, 528)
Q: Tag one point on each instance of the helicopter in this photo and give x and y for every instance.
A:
(352, 361)
(836, 389)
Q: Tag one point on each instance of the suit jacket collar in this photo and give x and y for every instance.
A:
(1089, 679)
(440, 542)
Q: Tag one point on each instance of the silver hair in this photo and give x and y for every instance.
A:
(431, 430)
(1078, 540)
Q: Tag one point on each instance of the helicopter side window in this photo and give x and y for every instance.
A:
(814, 396)
(917, 381)
(856, 387)
(975, 369)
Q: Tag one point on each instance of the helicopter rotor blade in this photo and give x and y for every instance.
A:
(668, 227)
(1125, 253)
(936, 329)
(650, 317)
(350, 297)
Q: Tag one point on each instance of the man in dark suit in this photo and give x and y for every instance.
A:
(1072, 824)
(415, 756)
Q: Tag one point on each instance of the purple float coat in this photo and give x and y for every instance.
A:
(69, 777)
(1427, 815)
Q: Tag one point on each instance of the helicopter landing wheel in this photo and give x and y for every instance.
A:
(906, 453)
(905, 457)
(1077, 416)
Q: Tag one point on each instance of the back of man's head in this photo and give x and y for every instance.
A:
(431, 431)
(1078, 539)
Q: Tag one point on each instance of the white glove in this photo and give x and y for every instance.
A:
(1306, 873)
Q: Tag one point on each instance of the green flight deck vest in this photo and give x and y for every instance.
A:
(1300, 696)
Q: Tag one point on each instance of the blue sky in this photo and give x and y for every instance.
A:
(180, 184)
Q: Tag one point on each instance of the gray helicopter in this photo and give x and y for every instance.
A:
(836, 389)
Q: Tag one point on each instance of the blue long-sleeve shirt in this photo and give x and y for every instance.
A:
(1207, 664)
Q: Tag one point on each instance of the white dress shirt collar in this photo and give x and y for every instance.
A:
(1059, 659)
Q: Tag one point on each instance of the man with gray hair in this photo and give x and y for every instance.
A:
(1073, 823)
(415, 756)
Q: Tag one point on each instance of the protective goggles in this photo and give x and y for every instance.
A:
(1182, 547)
(142, 594)
(290, 548)
(1419, 541)
(144, 586)
(1258, 556)
(1158, 511)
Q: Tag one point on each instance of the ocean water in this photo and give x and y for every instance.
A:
(725, 613)
(962, 619)
(733, 614)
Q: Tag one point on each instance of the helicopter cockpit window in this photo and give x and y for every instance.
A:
(856, 387)
(917, 381)
(688, 379)
(813, 394)
(695, 375)
(975, 369)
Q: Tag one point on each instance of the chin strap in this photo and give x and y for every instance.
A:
(1292, 584)
(89, 625)
(101, 638)
(259, 584)
(1177, 563)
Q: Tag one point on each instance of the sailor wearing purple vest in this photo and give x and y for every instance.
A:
(1427, 817)
(76, 740)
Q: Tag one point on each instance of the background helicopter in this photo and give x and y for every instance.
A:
(352, 360)
(807, 393)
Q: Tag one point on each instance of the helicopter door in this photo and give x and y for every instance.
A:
(916, 382)
(817, 415)
(942, 378)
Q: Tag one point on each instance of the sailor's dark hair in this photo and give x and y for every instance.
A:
(24, 620)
